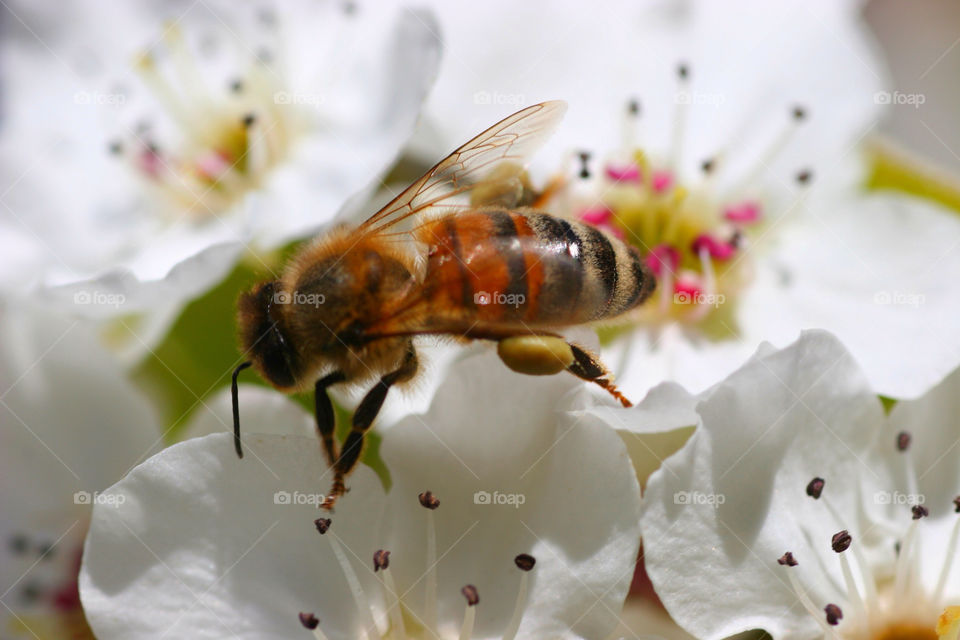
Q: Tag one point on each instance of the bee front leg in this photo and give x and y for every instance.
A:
(326, 420)
(363, 417)
(540, 355)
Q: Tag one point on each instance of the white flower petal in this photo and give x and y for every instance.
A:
(71, 424)
(872, 270)
(721, 511)
(510, 440)
(199, 547)
(931, 422)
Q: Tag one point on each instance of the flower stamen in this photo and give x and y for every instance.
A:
(359, 596)
(430, 503)
(466, 629)
(789, 562)
(381, 563)
(951, 555)
(797, 115)
(525, 563)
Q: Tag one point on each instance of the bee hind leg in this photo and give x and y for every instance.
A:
(363, 417)
(540, 355)
(587, 366)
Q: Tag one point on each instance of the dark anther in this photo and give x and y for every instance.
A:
(903, 441)
(799, 113)
(584, 164)
(470, 593)
(708, 165)
(525, 561)
(309, 621)
(736, 239)
(381, 560)
(683, 71)
(236, 86)
(805, 176)
(956, 504)
(787, 560)
(633, 107)
(30, 593)
(45, 550)
(322, 524)
(834, 614)
(19, 544)
(116, 147)
(428, 500)
(919, 511)
(841, 541)
(815, 488)
(249, 119)
(267, 17)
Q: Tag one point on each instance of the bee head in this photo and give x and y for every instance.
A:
(262, 336)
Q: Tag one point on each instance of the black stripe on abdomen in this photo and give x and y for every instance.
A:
(466, 295)
(560, 251)
(601, 259)
(510, 249)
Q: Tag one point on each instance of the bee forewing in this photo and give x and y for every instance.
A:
(446, 187)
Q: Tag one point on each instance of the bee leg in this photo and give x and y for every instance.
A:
(362, 419)
(326, 420)
(587, 365)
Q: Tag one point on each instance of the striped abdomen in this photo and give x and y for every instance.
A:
(526, 268)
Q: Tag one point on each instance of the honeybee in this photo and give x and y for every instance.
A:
(462, 252)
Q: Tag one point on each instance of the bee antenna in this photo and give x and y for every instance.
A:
(235, 394)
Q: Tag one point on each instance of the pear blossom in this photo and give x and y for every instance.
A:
(166, 140)
(70, 426)
(799, 507)
(507, 517)
(723, 141)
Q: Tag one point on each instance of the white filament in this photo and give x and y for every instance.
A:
(514, 625)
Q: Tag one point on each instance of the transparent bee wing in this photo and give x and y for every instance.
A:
(488, 160)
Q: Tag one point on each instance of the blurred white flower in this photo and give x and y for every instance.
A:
(538, 518)
(148, 145)
(749, 61)
(798, 507)
(736, 270)
(722, 140)
(70, 426)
